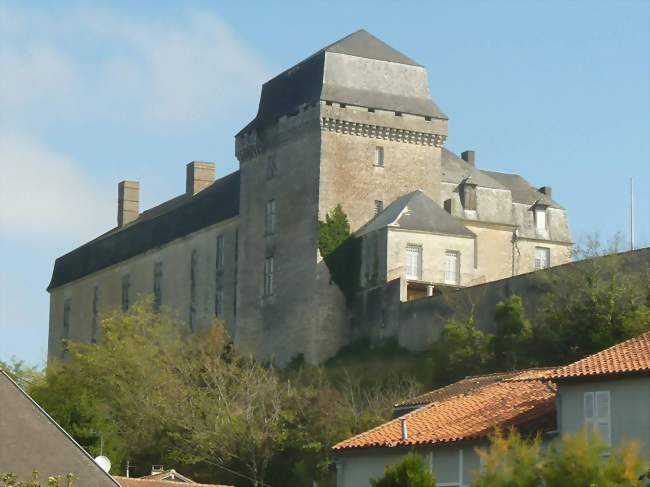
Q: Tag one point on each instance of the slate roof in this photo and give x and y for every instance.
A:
(305, 84)
(522, 191)
(173, 219)
(454, 169)
(528, 405)
(629, 357)
(416, 211)
(31, 440)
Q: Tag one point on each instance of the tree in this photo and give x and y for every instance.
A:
(509, 345)
(412, 471)
(24, 375)
(580, 459)
(10, 480)
(333, 231)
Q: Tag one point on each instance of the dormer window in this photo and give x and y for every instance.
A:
(468, 196)
(540, 217)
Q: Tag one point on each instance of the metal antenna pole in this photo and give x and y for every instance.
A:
(631, 213)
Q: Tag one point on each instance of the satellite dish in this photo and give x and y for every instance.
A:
(104, 463)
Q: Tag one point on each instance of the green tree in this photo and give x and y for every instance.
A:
(333, 231)
(509, 345)
(11, 480)
(24, 375)
(412, 471)
(462, 350)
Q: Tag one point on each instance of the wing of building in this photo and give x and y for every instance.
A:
(352, 125)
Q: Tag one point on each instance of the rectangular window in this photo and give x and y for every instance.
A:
(540, 218)
(271, 168)
(157, 284)
(218, 303)
(270, 217)
(414, 262)
(468, 196)
(220, 250)
(379, 156)
(193, 271)
(597, 414)
(268, 276)
(379, 206)
(542, 258)
(452, 267)
(67, 309)
(126, 287)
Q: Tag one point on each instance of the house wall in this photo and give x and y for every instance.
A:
(453, 465)
(176, 286)
(629, 408)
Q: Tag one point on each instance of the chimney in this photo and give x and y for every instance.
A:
(405, 429)
(546, 190)
(128, 202)
(468, 157)
(199, 175)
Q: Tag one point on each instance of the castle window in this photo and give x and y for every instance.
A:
(220, 250)
(542, 257)
(328, 103)
(268, 276)
(218, 303)
(157, 285)
(379, 206)
(342, 105)
(414, 261)
(193, 270)
(379, 156)
(540, 217)
(126, 287)
(270, 217)
(428, 119)
(468, 196)
(67, 309)
(398, 114)
(452, 267)
(371, 110)
(271, 168)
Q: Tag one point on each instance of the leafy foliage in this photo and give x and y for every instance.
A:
(579, 459)
(412, 471)
(11, 480)
(333, 231)
(24, 375)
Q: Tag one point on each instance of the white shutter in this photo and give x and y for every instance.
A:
(589, 407)
(602, 402)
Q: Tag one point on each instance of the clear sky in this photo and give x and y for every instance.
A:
(91, 94)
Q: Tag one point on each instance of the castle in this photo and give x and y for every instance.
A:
(352, 125)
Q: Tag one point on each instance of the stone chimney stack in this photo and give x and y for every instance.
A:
(199, 175)
(128, 202)
(468, 156)
(546, 190)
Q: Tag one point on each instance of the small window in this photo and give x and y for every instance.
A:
(270, 217)
(452, 267)
(328, 103)
(218, 303)
(379, 206)
(542, 258)
(220, 252)
(268, 276)
(371, 110)
(126, 288)
(597, 414)
(379, 156)
(414, 262)
(271, 168)
(540, 218)
(67, 310)
(468, 196)
(342, 105)
(95, 310)
(157, 284)
(428, 119)
(398, 114)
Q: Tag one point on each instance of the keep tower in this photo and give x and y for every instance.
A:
(354, 124)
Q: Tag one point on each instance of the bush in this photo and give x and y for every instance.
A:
(410, 472)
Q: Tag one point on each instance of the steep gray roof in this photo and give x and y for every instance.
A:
(309, 81)
(173, 219)
(455, 169)
(416, 211)
(522, 191)
(31, 440)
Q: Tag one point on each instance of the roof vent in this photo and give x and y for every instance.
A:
(405, 429)
(468, 156)
(199, 175)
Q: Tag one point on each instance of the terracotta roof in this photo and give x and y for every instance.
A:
(527, 404)
(131, 482)
(631, 356)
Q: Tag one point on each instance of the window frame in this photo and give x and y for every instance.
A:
(380, 155)
(537, 262)
(220, 249)
(157, 284)
(218, 303)
(270, 217)
(538, 211)
(417, 250)
(594, 421)
(456, 271)
(269, 271)
(126, 290)
(379, 206)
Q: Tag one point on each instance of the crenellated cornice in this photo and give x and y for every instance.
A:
(381, 132)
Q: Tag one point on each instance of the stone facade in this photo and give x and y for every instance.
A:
(355, 125)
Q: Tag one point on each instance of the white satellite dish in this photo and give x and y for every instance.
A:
(104, 463)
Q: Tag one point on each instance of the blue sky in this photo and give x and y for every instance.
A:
(91, 94)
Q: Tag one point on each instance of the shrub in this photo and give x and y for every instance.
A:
(410, 472)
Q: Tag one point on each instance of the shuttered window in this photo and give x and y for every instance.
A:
(597, 414)
(414, 262)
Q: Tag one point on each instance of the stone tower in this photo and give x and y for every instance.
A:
(354, 124)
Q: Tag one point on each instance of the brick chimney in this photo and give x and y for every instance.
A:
(468, 157)
(546, 190)
(128, 202)
(199, 175)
